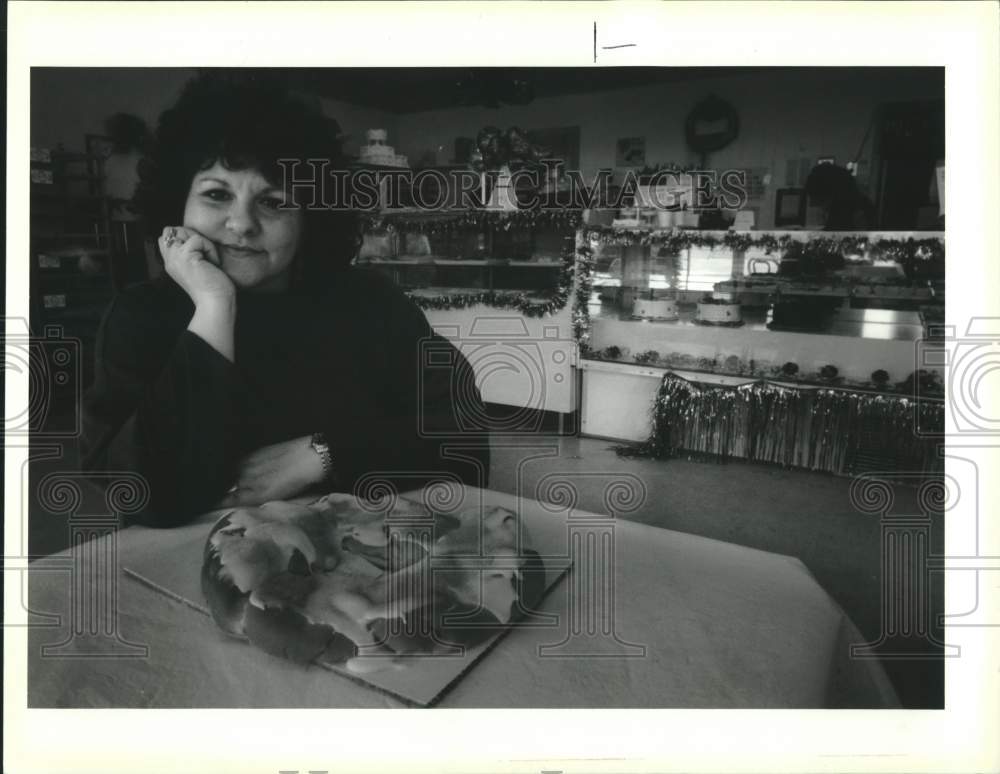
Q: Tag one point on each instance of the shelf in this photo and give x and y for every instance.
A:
(893, 292)
(746, 286)
(73, 252)
(693, 375)
(829, 291)
(435, 292)
(395, 262)
(74, 275)
(457, 262)
(421, 215)
(531, 294)
(733, 380)
(466, 262)
(799, 235)
(55, 191)
(873, 290)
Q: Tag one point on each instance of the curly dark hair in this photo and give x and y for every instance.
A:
(246, 123)
(835, 188)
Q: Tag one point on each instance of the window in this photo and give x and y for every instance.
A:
(701, 267)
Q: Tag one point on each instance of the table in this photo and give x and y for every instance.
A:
(666, 619)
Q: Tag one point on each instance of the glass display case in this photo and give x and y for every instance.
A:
(779, 286)
(846, 322)
(827, 309)
(830, 307)
(430, 254)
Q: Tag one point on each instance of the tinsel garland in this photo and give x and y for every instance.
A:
(826, 430)
(900, 250)
(518, 301)
(581, 305)
(446, 222)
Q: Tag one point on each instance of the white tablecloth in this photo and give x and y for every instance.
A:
(688, 622)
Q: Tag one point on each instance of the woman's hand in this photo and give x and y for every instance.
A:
(193, 263)
(276, 472)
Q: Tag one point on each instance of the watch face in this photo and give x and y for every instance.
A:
(322, 448)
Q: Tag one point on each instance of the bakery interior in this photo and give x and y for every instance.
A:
(751, 366)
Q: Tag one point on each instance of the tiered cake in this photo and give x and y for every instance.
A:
(659, 309)
(375, 151)
(719, 309)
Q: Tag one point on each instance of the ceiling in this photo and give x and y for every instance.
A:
(414, 89)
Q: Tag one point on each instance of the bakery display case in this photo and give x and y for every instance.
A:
(809, 309)
(841, 310)
(736, 291)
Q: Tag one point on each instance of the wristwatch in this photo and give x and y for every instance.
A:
(322, 448)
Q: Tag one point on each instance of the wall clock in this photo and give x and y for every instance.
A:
(711, 125)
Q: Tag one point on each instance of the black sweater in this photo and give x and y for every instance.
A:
(358, 362)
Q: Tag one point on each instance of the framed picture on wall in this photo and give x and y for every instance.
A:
(630, 152)
(790, 207)
(562, 143)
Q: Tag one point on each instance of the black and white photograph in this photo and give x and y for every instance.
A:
(616, 381)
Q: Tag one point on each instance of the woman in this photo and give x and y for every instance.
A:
(834, 189)
(263, 365)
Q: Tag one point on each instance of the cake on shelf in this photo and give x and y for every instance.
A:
(628, 217)
(375, 151)
(719, 309)
(655, 309)
(345, 582)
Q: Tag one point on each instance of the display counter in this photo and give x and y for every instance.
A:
(528, 294)
(845, 311)
(856, 342)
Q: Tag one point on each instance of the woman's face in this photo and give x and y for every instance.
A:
(239, 210)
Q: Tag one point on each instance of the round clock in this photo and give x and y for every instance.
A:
(711, 125)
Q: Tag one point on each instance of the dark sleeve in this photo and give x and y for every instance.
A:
(431, 410)
(164, 404)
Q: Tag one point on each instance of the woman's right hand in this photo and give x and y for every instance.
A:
(193, 263)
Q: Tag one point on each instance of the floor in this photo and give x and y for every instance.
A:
(802, 514)
(799, 513)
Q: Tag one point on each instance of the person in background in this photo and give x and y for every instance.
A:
(834, 189)
(263, 365)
